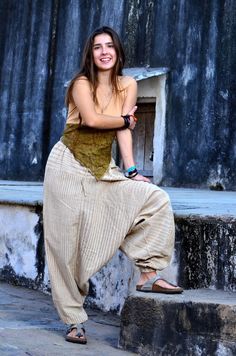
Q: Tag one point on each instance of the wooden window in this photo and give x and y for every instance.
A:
(143, 138)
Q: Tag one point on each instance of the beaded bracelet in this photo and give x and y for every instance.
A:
(132, 173)
(130, 169)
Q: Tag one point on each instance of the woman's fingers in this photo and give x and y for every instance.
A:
(132, 111)
(132, 123)
(141, 178)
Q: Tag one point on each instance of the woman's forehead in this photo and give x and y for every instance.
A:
(102, 38)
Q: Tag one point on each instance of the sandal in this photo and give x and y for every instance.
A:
(79, 337)
(151, 287)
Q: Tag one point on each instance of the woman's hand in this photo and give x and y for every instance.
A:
(141, 178)
(132, 111)
(132, 121)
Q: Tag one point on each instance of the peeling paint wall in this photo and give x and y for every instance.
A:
(22, 260)
(206, 252)
(197, 323)
(21, 246)
(25, 40)
(114, 282)
(40, 49)
(18, 240)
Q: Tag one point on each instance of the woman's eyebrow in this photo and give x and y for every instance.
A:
(99, 44)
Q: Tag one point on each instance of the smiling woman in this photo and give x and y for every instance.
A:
(91, 208)
(105, 58)
(104, 52)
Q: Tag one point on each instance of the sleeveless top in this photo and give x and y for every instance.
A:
(92, 147)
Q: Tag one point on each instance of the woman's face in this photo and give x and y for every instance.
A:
(104, 53)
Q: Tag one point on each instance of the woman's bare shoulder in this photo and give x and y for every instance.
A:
(127, 81)
(82, 80)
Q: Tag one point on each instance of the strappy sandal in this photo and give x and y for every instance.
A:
(79, 337)
(151, 287)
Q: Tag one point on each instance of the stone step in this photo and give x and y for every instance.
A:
(197, 322)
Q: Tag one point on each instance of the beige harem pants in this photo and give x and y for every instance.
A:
(86, 221)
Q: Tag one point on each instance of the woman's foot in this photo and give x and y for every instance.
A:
(150, 282)
(76, 333)
(145, 276)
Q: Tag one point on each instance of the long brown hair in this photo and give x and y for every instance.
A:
(88, 68)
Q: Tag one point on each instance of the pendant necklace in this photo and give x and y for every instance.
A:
(105, 100)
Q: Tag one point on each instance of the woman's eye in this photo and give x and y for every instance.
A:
(110, 45)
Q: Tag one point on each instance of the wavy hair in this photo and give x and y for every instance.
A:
(89, 69)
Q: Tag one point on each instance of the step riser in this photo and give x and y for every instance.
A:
(206, 252)
(151, 327)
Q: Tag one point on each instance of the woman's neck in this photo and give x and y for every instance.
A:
(104, 78)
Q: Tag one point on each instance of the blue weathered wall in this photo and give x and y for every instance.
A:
(40, 47)
(200, 49)
(25, 37)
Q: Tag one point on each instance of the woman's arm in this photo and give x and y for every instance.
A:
(124, 137)
(82, 97)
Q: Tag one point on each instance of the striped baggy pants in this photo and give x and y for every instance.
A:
(86, 221)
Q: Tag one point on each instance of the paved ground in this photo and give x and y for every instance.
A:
(30, 326)
(184, 201)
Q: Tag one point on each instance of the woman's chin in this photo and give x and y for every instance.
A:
(105, 67)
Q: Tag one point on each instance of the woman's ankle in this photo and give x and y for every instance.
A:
(145, 276)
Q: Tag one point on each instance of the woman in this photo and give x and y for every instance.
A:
(90, 207)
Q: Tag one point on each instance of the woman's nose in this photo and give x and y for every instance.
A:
(104, 49)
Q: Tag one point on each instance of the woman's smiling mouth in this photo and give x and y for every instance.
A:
(105, 59)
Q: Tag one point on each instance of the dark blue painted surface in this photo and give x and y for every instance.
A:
(201, 132)
(25, 36)
(40, 48)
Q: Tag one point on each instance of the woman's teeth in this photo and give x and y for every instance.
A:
(105, 60)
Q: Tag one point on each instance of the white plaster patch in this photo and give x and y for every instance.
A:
(224, 94)
(46, 279)
(233, 262)
(210, 69)
(64, 113)
(34, 161)
(3, 151)
(223, 351)
(189, 73)
(115, 281)
(218, 176)
(198, 351)
(18, 240)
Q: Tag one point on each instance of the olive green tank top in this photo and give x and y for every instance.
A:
(91, 147)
